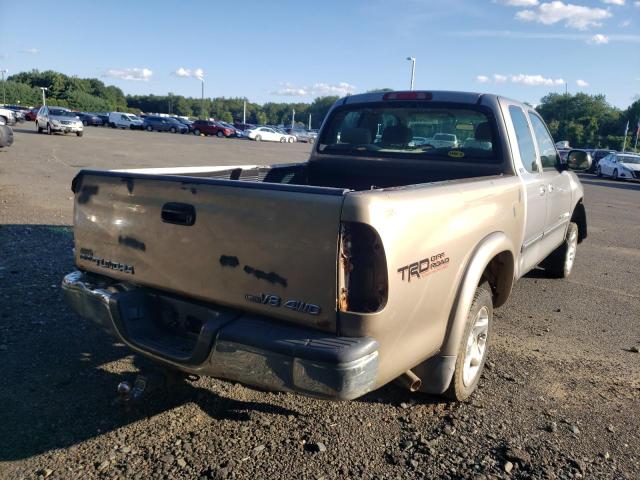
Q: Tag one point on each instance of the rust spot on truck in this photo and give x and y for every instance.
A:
(271, 277)
(229, 261)
(86, 192)
(132, 242)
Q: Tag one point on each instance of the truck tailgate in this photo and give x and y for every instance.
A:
(260, 247)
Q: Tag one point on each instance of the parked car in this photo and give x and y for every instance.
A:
(302, 135)
(335, 276)
(58, 119)
(186, 122)
(443, 140)
(89, 119)
(269, 134)
(31, 114)
(229, 127)
(104, 116)
(164, 124)
(125, 121)
(243, 126)
(7, 116)
(597, 155)
(210, 127)
(620, 166)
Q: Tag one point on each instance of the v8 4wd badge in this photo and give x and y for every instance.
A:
(276, 301)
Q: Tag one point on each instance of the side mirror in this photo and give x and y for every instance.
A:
(578, 160)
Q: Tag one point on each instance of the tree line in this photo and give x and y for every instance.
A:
(582, 119)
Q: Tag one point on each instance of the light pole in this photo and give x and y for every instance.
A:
(44, 99)
(293, 117)
(309, 121)
(244, 112)
(202, 101)
(4, 95)
(413, 70)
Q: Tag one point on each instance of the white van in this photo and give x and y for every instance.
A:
(125, 120)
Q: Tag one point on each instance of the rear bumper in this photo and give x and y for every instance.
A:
(229, 344)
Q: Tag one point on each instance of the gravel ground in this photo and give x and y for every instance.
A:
(559, 399)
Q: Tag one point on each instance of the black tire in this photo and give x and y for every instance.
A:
(79, 134)
(85, 123)
(196, 132)
(311, 141)
(482, 304)
(3, 121)
(283, 140)
(173, 130)
(559, 263)
(149, 128)
(38, 129)
(258, 138)
(291, 139)
(219, 134)
(112, 125)
(598, 171)
(615, 174)
(49, 131)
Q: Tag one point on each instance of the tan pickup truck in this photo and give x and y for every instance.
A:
(382, 257)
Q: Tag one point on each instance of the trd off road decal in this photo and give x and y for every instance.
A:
(424, 267)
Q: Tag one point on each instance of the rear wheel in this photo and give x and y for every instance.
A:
(85, 123)
(615, 174)
(173, 130)
(282, 139)
(219, 134)
(196, 132)
(560, 263)
(472, 351)
(311, 140)
(38, 129)
(79, 133)
(49, 131)
(258, 138)
(290, 139)
(149, 128)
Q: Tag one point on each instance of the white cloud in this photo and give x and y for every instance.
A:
(614, 2)
(188, 72)
(519, 3)
(317, 89)
(573, 16)
(637, 4)
(599, 39)
(581, 83)
(139, 74)
(522, 79)
(535, 80)
(31, 51)
(625, 23)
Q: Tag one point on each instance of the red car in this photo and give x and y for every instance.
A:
(31, 114)
(208, 127)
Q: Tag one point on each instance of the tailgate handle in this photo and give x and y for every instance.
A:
(179, 213)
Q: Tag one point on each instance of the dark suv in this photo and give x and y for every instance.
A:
(164, 124)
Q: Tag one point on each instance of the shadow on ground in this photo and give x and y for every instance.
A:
(58, 389)
(621, 184)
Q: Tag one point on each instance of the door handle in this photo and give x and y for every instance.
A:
(178, 213)
(542, 190)
(550, 187)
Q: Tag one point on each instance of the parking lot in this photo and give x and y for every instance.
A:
(560, 397)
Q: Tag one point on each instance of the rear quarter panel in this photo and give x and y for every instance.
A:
(440, 224)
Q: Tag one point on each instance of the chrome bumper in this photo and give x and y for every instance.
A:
(234, 345)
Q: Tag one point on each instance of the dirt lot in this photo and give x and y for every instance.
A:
(560, 397)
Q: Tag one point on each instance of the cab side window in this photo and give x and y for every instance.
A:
(524, 138)
(548, 153)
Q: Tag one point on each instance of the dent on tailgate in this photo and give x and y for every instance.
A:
(264, 248)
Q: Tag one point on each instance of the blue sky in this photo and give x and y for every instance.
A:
(297, 50)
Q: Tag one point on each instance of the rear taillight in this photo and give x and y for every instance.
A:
(362, 270)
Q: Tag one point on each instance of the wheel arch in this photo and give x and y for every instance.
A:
(579, 217)
(493, 261)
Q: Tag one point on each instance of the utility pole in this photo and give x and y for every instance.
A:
(4, 94)
(244, 112)
(635, 145)
(202, 101)
(309, 122)
(413, 70)
(170, 103)
(44, 99)
(624, 143)
(293, 117)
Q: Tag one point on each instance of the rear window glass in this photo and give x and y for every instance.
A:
(412, 130)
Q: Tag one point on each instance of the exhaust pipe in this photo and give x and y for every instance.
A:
(410, 381)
